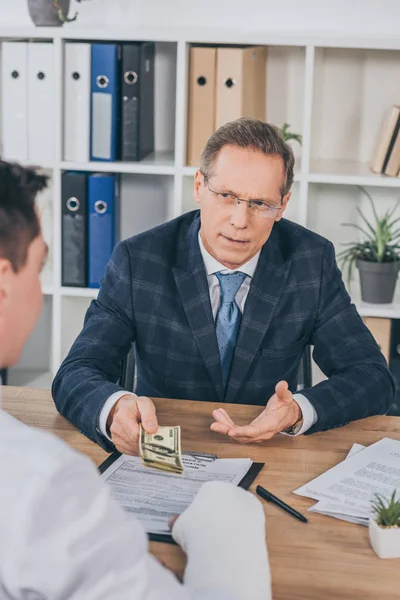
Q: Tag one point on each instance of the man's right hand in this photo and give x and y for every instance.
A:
(124, 420)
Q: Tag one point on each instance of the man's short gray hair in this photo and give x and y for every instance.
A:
(249, 133)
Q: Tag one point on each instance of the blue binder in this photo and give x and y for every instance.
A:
(103, 224)
(105, 102)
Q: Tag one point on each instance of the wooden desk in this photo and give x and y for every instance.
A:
(325, 559)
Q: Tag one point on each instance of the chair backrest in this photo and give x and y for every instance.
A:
(128, 371)
(3, 376)
(305, 371)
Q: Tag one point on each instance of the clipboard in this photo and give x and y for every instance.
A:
(245, 483)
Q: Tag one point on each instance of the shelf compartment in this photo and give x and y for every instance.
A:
(32, 378)
(36, 355)
(73, 311)
(347, 172)
(353, 88)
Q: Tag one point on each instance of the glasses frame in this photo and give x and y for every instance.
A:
(271, 212)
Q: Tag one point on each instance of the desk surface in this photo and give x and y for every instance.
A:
(324, 559)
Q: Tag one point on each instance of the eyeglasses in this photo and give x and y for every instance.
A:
(257, 207)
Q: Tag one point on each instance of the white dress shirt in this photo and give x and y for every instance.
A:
(62, 535)
(212, 266)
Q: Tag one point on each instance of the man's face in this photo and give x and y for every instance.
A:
(234, 233)
(20, 301)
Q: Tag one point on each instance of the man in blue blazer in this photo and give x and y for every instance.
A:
(221, 304)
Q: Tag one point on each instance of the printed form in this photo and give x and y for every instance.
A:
(155, 496)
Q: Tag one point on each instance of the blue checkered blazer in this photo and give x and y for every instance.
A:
(155, 293)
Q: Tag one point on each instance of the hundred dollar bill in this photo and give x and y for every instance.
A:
(162, 450)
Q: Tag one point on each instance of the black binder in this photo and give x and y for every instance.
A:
(137, 111)
(74, 229)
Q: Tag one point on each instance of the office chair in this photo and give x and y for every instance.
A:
(128, 371)
(3, 376)
(305, 370)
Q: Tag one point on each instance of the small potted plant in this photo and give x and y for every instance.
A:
(384, 527)
(50, 13)
(289, 135)
(377, 257)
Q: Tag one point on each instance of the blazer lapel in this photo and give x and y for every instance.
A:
(264, 293)
(191, 281)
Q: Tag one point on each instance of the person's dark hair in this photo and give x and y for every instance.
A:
(19, 221)
(249, 133)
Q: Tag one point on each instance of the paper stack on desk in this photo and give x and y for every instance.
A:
(347, 490)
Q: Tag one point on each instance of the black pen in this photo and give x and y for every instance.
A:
(271, 498)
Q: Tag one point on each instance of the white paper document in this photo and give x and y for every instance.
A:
(155, 496)
(354, 450)
(346, 490)
(332, 509)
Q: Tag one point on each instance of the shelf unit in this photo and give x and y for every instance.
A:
(332, 89)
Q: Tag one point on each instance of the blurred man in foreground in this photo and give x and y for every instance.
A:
(62, 535)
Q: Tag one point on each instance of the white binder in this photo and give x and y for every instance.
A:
(41, 121)
(14, 100)
(44, 203)
(77, 69)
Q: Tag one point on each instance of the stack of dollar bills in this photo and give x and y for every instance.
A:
(162, 450)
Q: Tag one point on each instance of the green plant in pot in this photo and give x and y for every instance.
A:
(50, 13)
(384, 526)
(377, 257)
(290, 135)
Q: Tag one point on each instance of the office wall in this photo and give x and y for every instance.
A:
(366, 16)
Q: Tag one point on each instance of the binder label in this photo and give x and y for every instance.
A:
(101, 136)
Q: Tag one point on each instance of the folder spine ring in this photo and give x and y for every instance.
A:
(15, 74)
(41, 75)
(102, 81)
(130, 77)
(229, 82)
(76, 75)
(73, 204)
(100, 207)
(201, 80)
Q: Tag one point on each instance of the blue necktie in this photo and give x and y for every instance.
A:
(228, 319)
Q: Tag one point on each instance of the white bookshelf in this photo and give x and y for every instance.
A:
(333, 89)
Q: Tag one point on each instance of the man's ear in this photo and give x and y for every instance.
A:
(198, 185)
(285, 201)
(6, 273)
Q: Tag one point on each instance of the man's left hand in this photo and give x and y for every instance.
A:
(280, 413)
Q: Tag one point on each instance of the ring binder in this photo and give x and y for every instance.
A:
(73, 204)
(102, 81)
(103, 198)
(77, 102)
(14, 100)
(74, 229)
(41, 113)
(137, 106)
(100, 207)
(105, 122)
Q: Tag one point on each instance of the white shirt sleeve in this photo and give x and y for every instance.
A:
(223, 533)
(105, 411)
(310, 416)
(73, 541)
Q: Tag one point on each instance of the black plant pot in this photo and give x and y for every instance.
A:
(378, 281)
(44, 14)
